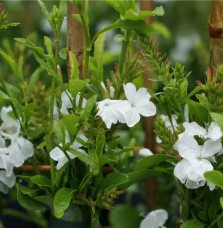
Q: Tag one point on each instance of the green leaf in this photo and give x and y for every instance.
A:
(138, 176)
(150, 161)
(83, 157)
(46, 200)
(10, 61)
(183, 89)
(197, 111)
(29, 203)
(41, 181)
(77, 17)
(44, 10)
(60, 129)
(192, 224)
(140, 27)
(30, 44)
(88, 108)
(118, 5)
(114, 179)
(194, 91)
(71, 123)
(48, 44)
(63, 53)
(203, 101)
(76, 85)
(20, 68)
(27, 190)
(85, 181)
(124, 216)
(135, 16)
(34, 78)
(74, 71)
(62, 201)
(214, 177)
(161, 29)
(217, 118)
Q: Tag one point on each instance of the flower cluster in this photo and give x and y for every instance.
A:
(14, 149)
(197, 146)
(127, 111)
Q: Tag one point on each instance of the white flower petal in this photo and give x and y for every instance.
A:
(180, 170)
(26, 147)
(131, 117)
(144, 152)
(130, 92)
(62, 162)
(154, 219)
(214, 131)
(188, 147)
(147, 109)
(16, 156)
(9, 181)
(141, 97)
(210, 148)
(84, 102)
(56, 154)
(194, 129)
(66, 102)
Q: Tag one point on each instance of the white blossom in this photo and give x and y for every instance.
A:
(15, 151)
(196, 160)
(127, 111)
(212, 132)
(140, 103)
(155, 219)
(67, 99)
(58, 155)
(108, 111)
(144, 152)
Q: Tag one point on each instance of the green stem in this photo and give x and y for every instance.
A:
(123, 51)
(94, 218)
(187, 203)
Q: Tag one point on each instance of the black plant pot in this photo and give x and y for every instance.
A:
(74, 217)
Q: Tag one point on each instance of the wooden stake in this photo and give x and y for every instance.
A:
(215, 27)
(148, 122)
(75, 38)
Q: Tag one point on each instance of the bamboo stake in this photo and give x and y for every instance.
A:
(75, 38)
(148, 122)
(215, 27)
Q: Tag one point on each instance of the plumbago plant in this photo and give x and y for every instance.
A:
(70, 126)
(189, 130)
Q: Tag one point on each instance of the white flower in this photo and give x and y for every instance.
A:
(127, 111)
(6, 182)
(67, 99)
(108, 111)
(14, 152)
(144, 152)
(155, 219)
(213, 132)
(140, 104)
(58, 155)
(10, 128)
(196, 160)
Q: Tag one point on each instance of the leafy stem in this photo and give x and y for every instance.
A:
(123, 51)
(94, 218)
